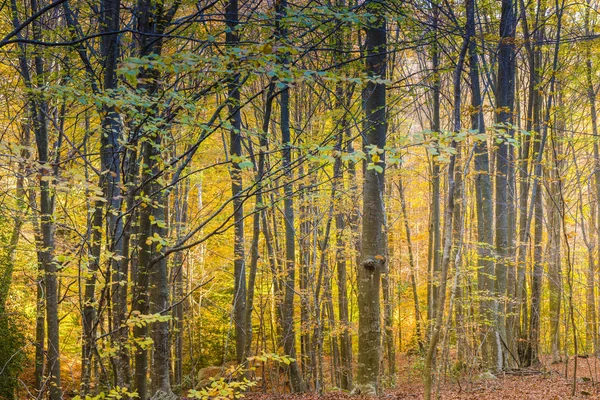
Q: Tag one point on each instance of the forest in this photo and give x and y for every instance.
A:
(218, 199)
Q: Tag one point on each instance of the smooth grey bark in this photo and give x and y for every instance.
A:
(492, 350)
(374, 246)
(553, 246)
(505, 273)
(592, 316)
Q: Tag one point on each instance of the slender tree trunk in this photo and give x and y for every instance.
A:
(434, 229)
(411, 263)
(345, 339)
(235, 120)
(306, 348)
(47, 225)
(289, 332)
(532, 109)
(532, 353)
(258, 207)
(388, 307)
(47, 291)
(553, 247)
(591, 92)
(180, 221)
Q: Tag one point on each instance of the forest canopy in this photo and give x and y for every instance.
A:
(215, 198)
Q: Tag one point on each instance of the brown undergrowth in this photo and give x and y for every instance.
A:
(547, 381)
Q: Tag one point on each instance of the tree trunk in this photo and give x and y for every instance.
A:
(591, 92)
(489, 304)
(505, 96)
(411, 263)
(373, 249)
(553, 247)
(152, 286)
(434, 229)
(235, 120)
(289, 332)
(258, 207)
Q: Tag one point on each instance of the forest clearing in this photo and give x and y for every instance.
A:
(212, 199)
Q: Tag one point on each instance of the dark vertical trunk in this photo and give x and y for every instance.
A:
(289, 332)
(489, 306)
(434, 229)
(89, 322)
(111, 152)
(235, 120)
(342, 277)
(333, 337)
(141, 298)
(388, 307)
(553, 246)
(531, 351)
(306, 349)
(591, 92)
(505, 96)
(40, 332)
(258, 207)
(180, 221)
(152, 284)
(374, 246)
(39, 109)
(32, 108)
(342, 274)
(522, 319)
(541, 127)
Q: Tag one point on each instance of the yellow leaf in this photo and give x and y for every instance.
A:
(267, 48)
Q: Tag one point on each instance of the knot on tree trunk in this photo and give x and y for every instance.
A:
(373, 263)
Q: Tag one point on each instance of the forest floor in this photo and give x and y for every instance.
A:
(545, 382)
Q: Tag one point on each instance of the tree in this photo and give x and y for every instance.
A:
(374, 246)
